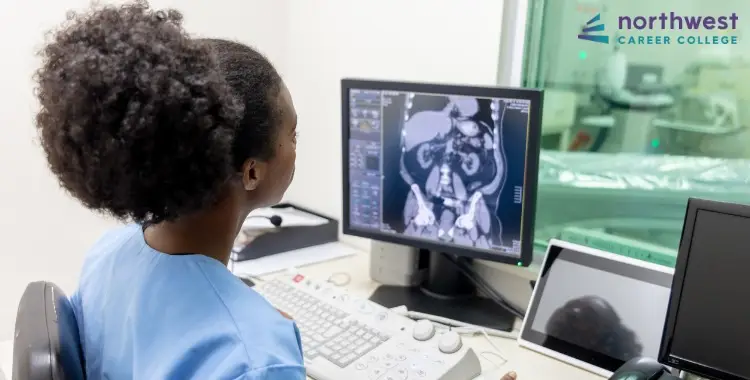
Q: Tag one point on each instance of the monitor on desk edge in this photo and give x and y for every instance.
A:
(707, 328)
(439, 167)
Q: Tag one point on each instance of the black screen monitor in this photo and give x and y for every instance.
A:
(442, 168)
(708, 321)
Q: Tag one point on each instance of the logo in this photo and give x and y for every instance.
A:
(589, 28)
(664, 28)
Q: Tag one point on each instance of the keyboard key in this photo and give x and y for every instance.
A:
(325, 351)
(363, 349)
(332, 331)
(347, 359)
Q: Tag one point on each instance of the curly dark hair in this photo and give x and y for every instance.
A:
(593, 323)
(143, 122)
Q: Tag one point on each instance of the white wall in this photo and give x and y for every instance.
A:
(419, 40)
(44, 234)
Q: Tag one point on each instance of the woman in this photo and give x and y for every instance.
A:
(183, 137)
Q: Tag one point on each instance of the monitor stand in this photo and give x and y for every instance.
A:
(447, 293)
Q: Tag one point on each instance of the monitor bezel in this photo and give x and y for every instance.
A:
(665, 349)
(528, 213)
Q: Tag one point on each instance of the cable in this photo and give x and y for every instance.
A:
(498, 352)
(487, 288)
(484, 286)
(485, 355)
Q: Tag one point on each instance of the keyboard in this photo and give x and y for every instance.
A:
(347, 338)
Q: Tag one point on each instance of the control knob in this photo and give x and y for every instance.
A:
(423, 330)
(450, 342)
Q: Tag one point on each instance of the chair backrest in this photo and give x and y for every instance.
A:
(46, 344)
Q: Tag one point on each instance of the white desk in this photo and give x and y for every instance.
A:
(528, 365)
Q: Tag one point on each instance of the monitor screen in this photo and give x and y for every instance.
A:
(438, 168)
(614, 315)
(710, 325)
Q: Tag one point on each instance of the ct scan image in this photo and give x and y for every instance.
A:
(453, 164)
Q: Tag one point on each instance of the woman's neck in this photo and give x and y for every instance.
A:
(211, 233)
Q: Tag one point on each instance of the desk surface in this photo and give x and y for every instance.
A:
(528, 364)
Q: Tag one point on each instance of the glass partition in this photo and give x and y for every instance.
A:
(646, 104)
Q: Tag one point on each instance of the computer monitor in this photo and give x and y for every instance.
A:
(442, 168)
(707, 329)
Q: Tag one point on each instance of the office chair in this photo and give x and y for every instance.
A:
(46, 344)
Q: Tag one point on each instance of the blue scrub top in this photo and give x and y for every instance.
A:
(143, 314)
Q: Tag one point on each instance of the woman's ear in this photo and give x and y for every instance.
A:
(253, 171)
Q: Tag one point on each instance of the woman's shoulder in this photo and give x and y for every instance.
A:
(270, 339)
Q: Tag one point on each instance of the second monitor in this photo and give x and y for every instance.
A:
(444, 169)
